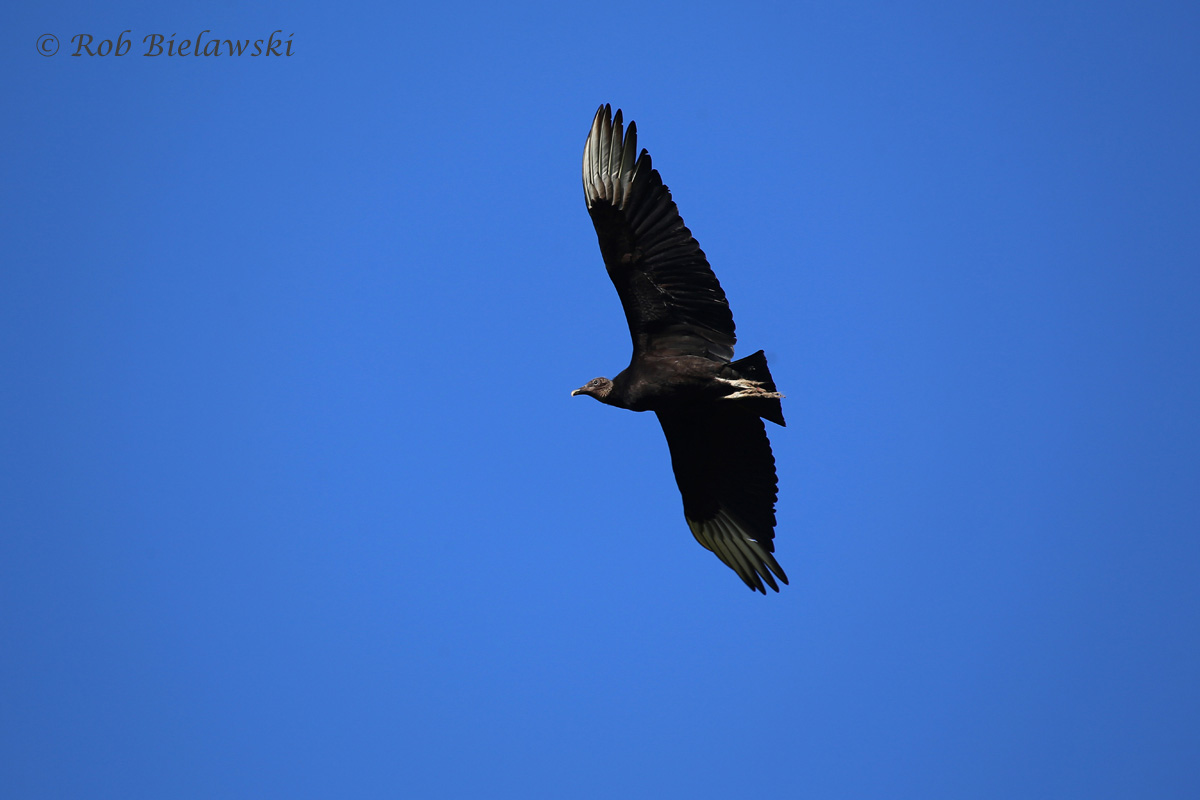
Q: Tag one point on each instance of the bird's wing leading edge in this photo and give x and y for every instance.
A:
(672, 299)
(726, 473)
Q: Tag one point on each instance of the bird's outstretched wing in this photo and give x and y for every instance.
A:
(672, 299)
(726, 474)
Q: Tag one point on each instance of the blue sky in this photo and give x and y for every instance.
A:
(294, 501)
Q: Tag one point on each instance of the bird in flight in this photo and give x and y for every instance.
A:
(711, 407)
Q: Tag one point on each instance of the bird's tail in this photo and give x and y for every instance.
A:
(754, 367)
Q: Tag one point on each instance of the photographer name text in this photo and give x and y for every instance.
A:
(156, 44)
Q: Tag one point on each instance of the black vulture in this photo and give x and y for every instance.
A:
(711, 407)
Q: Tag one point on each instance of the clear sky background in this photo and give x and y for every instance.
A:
(294, 501)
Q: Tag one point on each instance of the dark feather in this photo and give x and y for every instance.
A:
(672, 300)
(726, 473)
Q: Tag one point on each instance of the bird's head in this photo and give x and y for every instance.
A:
(596, 387)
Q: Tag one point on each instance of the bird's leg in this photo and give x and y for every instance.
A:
(748, 388)
(760, 393)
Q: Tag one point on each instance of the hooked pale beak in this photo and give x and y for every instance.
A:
(577, 391)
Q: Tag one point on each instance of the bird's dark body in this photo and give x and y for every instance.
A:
(666, 383)
(657, 383)
(710, 407)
